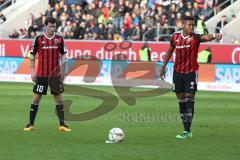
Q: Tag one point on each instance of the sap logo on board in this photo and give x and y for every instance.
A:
(228, 74)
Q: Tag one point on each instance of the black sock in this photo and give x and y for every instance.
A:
(182, 110)
(33, 113)
(190, 112)
(60, 113)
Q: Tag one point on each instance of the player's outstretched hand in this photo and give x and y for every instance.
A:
(34, 76)
(218, 36)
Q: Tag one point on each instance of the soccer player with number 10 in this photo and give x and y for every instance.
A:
(50, 48)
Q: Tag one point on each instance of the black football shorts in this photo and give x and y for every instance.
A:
(42, 83)
(185, 82)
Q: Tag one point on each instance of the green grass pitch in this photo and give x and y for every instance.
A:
(216, 128)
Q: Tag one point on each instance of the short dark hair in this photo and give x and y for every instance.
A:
(50, 20)
(188, 18)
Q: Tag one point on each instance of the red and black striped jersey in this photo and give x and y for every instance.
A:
(49, 51)
(186, 51)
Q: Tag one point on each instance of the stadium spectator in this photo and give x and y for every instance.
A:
(2, 18)
(221, 24)
(221, 4)
(62, 28)
(233, 17)
(189, 8)
(49, 11)
(166, 31)
(200, 3)
(210, 3)
(206, 11)
(201, 27)
(128, 18)
(205, 56)
(145, 52)
(31, 34)
(136, 33)
(2, 1)
(22, 33)
(195, 12)
(178, 21)
(14, 34)
(164, 3)
(4, 4)
(181, 8)
(236, 41)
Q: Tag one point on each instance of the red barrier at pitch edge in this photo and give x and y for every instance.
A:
(221, 53)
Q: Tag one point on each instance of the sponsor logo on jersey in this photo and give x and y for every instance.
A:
(183, 46)
(49, 47)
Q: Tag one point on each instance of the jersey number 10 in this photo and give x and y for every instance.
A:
(39, 88)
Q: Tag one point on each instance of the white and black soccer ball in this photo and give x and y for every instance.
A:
(116, 135)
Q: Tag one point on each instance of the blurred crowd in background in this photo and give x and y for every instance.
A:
(136, 20)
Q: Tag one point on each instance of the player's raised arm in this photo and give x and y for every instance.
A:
(210, 37)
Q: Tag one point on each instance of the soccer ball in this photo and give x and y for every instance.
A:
(116, 135)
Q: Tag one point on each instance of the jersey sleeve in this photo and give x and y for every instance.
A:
(34, 47)
(197, 36)
(63, 48)
(172, 40)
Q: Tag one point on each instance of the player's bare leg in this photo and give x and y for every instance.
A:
(33, 111)
(60, 113)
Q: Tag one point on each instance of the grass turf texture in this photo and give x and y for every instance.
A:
(215, 128)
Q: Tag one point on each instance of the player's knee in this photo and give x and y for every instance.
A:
(180, 95)
(58, 102)
(181, 100)
(36, 100)
(35, 103)
(187, 99)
